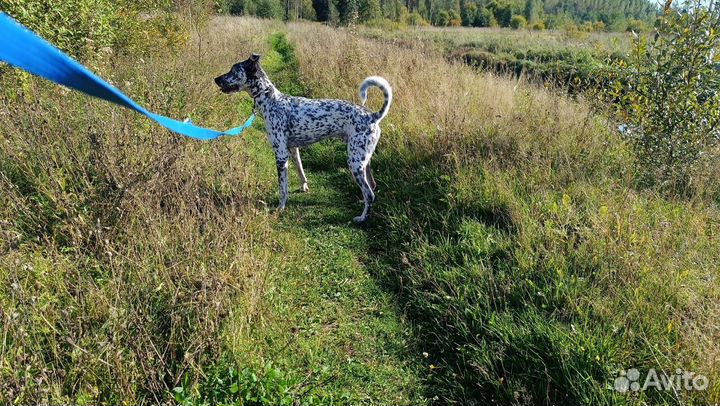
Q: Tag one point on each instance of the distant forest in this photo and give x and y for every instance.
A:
(584, 15)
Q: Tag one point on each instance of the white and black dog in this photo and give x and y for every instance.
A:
(294, 122)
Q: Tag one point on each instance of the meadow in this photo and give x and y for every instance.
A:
(513, 257)
(570, 60)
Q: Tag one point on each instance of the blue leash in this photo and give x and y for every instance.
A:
(22, 48)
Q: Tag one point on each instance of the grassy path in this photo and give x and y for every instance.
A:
(344, 320)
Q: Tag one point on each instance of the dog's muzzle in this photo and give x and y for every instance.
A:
(224, 87)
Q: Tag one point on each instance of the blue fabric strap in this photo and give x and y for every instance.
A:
(22, 48)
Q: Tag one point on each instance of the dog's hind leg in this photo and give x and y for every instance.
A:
(360, 149)
(370, 177)
(374, 139)
(360, 176)
(295, 155)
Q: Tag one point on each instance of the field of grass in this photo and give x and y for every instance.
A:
(511, 258)
(565, 59)
(450, 38)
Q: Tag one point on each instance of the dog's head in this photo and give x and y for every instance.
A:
(240, 76)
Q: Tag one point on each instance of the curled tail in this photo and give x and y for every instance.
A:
(383, 85)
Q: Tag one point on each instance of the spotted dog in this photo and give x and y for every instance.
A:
(294, 122)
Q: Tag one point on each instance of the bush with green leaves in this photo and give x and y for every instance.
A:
(517, 22)
(666, 94)
(86, 28)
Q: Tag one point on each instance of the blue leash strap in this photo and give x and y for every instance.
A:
(23, 49)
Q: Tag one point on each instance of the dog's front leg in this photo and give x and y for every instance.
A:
(295, 155)
(281, 160)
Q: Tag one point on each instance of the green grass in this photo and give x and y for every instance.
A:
(510, 258)
(569, 60)
(332, 335)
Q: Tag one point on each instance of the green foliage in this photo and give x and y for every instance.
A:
(347, 11)
(455, 19)
(417, 20)
(503, 15)
(608, 11)
(667, 94)
(322, 10)
(86, 29)
(637, 26)
(531, 11)
(369, 10)
(468, 13)
(477, 13)
(518, 22)
(268, 9)
(485, 18)
(443, 18)
(228, 385)
(277, 9)
(538, 26)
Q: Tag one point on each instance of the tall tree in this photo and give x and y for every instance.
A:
(347, 10)
(368, 10)
(531, 11)
(322, 9)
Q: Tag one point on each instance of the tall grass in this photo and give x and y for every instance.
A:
(124, 246)
(134, 261)
(510, 229)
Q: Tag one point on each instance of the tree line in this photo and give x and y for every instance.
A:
(586, 15)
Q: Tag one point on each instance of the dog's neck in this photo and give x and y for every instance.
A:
(262, 91)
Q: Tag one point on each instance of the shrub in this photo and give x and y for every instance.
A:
(637, 25)
(485, 18)
(587, 26)
(538, 26)
(415, 19)
(84, 27)
(455, 20)
(503, 15)
(443, 19)
(667, 96)
(386, 24)
(468, 14)
(233, 7)
(268, 9)
(518, 22)
(368, 10)
(556, 21)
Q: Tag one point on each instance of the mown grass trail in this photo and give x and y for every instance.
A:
(345, 320)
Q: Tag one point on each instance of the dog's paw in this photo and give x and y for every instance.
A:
(359, 219)
(305, 188)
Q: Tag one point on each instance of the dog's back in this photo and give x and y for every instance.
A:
(311, 120)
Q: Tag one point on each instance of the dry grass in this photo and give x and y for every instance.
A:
(644, 268)
(503, 38)
(447, 106)
(124, 246)
(508, 228)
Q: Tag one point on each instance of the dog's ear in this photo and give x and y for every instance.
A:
(253, 66)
